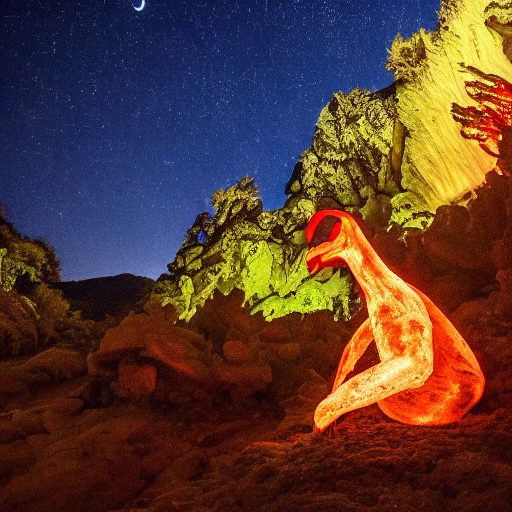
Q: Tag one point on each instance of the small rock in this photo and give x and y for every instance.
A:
(30, 422)
(127, 336)
(176, 347)
(289, 352)
(237, 352)
(191, 368)
(135, 380)
(57, 363)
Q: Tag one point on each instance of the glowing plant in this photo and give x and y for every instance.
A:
(427, 375)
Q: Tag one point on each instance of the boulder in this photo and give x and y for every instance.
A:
(289, 352)
(135, 380)
(237, 352)
(57, 364)
(150, 337)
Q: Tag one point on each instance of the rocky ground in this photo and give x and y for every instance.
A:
(70, 444)
(57, 456)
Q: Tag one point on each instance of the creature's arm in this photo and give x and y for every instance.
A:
(353, 351)
(376, 383)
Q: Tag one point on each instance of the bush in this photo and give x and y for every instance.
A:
(18, 330)
(52, 314)
(57, 325)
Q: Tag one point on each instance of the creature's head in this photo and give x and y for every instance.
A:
(327, 238)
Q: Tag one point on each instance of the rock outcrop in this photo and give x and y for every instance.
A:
(260, 253)
(393, 156)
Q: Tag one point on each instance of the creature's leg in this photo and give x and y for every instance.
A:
(376, 383)
(353, 351)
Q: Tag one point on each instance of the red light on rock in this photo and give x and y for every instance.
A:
(486, 121)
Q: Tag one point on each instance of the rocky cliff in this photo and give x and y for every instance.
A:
(393, 157)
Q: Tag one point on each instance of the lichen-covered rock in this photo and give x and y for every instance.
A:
(394, 156)
(260, 253)
(349, 160)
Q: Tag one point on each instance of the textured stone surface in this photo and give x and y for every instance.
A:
(140, 458)
(349, 160)
(393, 156)
(237, 352)
(57, 364)
(439, 166)
(135, 380)
(259, 253)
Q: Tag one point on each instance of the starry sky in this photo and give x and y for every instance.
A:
(117, 125)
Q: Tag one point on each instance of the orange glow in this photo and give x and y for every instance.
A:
(427, 375)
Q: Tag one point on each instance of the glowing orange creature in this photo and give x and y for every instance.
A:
(427, 375)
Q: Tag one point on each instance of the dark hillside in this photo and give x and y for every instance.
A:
(102, 296)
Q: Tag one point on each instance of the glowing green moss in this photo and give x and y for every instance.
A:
(312, 295)
(349, 158)
(260, 253)
(20, 256)
(12, 267)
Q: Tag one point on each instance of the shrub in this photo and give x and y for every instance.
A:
(18, 330)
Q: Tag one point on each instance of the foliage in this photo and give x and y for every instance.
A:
(42, 320)
(34, 316)
(18, 330)
(23, 260)
(260, 253)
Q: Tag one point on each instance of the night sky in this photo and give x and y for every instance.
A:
(117, 125)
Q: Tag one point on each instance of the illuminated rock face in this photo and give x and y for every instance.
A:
(395, 156)
(261, 253)
(427, 374)
(433, 69)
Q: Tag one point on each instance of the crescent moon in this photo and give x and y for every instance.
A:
(141, 6)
